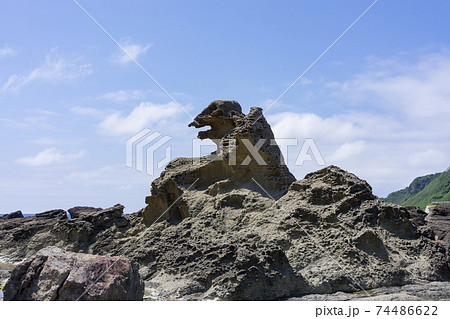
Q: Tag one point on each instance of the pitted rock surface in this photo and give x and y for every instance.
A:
(232, 166)
(54, 274)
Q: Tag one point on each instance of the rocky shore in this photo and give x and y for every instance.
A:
(432, 291)
(223, 227)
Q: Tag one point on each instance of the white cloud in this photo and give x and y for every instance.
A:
(6, 51)
(46, 112)
(89, 111)
(416, 89)
(45, 141)
(122, 95)
(134, 50)
(426, 157)
(54, 69)
(92, 175)
(110, 177)
(144, 115)
(14, 123)
(387, 153)
(49, 156)
(309, 125)
(348, 150)
(402, 132)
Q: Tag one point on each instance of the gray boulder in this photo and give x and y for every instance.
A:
(54, 274)
(438, 220)
(87, 231)
(75, 212)
(12, 215)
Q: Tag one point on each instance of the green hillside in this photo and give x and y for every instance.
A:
(423, 190)
(417, 185)
(437, 191)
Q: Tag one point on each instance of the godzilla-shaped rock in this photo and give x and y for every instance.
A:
(54, 274)
(247, 152)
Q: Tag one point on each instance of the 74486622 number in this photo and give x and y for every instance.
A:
(404, 310)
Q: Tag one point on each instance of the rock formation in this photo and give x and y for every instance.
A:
(12, 215)
(227, 226)
(246, 151)
(436, 291)
(438, 220)
(53, 274)
(87, 231)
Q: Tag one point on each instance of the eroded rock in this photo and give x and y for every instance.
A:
(54, 274)
(12, 215)
(88, 231)
(247, 152)
(438, 220)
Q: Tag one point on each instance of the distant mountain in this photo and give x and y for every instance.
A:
(423, 190)
(417, 185)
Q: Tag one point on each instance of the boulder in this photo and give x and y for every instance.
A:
(438, 219)
(22, 237)
(54, 274)
(439, 209)
(53, 214)
(417, 215)
(75, 212)
(12, 215)
(88, 231)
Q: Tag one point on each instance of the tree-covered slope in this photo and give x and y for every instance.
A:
(417, 185)
(438, 190)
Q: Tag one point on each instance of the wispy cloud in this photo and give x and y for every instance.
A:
(45, 141)
(402, 132)
(91, 174)
(135, 50)
(55, 68)
(35, 118)
(49, 156)
(7, 51)
(11, 123)
(386, 151)
(123, 95)
(416, 89)
(348, 150)
(46, 112)
(141, 116)
(89, 111)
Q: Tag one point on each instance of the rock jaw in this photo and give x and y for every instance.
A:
(220, 116)
(238, 162)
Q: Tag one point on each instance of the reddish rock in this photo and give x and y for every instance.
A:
(54, 274)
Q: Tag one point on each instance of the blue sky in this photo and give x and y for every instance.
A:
(377, 104)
